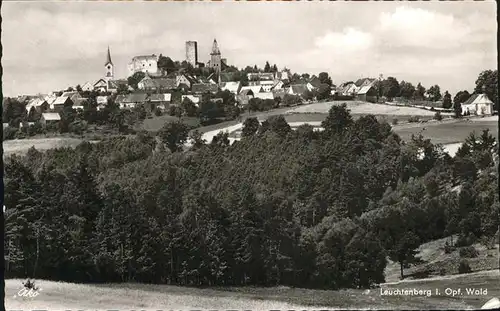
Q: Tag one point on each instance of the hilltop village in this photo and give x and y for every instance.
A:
(216, 90)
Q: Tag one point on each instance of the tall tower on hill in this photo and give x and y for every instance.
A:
(215, 58)
(109, 67)
(192, 53)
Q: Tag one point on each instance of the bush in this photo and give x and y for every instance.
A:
(158, 112)
(438, 116)
(464, 267)
(442, 271)
(468, 252)
(9, 133)
(394, 121)
(413, 119)
(464, 240)
(448, 248)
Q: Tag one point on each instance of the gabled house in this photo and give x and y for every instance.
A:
(233, 87)
(367, 93)
(101, 85)
(60, 103)
(278, 84)
(478, 104)
(50, 118)
(39, 104)
(201, 88)
(185, 79)
(266, 85)
(314, 83)
(160, 101)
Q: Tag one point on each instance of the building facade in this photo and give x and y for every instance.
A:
(192, 53)
(144, 63)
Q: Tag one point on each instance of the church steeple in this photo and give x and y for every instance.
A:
(215, 48)
(108, 58)
(109, 74)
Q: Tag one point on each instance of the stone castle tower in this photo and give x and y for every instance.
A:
(192, 53)
(215, 58)
(109, 67)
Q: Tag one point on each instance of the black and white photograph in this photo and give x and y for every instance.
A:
(250, 155)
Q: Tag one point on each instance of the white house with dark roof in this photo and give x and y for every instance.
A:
(478, 104)
(88, 87)
(255, 89)
(264, 95)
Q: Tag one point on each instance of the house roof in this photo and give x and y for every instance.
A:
(51, 116)
(266, 95)
(165, 83)
(120, 98)
(364, 82)
(365, 89)
(255, 89)
(230, 86)
(60, 100)
(298, 88)
(160, 97)
(226, 76)
(246, 92)
(478, 99)
(204, 87)
(315, 82)
(136, 98)
(69, 94)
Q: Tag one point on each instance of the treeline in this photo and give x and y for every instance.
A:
(299, 208)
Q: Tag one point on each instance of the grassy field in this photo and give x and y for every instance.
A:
(358, 107)
(23, 145)
(61, 296)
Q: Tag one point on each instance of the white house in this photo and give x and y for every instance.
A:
(102, 101)
(50, 117)
(233, 87)
(478, 104)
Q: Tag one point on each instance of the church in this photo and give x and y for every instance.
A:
(108, 83)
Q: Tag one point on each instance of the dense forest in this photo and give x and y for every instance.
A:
(299, 208)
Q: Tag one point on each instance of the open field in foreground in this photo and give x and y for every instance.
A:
(61, 296)
(23, 145)
(358, 107)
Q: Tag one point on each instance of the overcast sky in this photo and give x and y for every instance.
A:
(52, 45)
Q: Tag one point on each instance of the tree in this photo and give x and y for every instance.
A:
(419, 92)
(174, 135)
(337, 121)
(487, 82)
(407, 90)
(390, 88)
(189, 107)
(324, 91)
(197, 140)
(461, 97)
(166, 64)
(275, 68)
(404, 250)
(267, 67)
(279, 125)
(324, 78)
(447, 100)
(250, 127)
(135, 79)
(434, 93)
